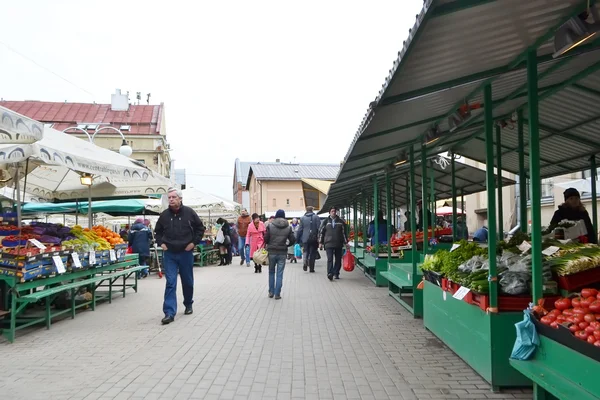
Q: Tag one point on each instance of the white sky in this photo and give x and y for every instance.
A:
(258, 80)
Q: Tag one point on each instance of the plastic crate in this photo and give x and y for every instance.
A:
(433, 277)
(579, 280)
(508, 303)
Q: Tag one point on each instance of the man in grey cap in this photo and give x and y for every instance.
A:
(178, 230)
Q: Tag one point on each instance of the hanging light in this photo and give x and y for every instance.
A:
(575, 32)
(401, 159)
(432, 136)
(125, 149)
(86, 179)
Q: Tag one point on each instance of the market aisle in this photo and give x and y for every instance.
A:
(323, 340)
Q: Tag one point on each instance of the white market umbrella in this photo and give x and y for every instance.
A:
(582, 185)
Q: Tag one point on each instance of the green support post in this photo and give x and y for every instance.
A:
(454, 208)
(432, 201)
(364, 219)
(375, 242)
(413, 212)
(355, 209)
(522, 175)
(534, 176)
(425, 221)
(499, 182)
(388, 209)
(491, 195)
(407, 194)
(594, 176)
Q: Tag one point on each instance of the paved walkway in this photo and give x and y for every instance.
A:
(324, 340)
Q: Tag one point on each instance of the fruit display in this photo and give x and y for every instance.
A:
(351, 236)
(97, 238)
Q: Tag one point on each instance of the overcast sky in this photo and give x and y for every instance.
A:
(258, 80)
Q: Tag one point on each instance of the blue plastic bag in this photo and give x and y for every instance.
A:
(527, 339)
(297, 251)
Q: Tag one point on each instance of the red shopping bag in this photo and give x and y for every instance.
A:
(348, 262)
(129, 250)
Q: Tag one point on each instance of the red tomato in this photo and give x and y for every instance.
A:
(597, 343)
(578, 318)
(554, 324)
(595, 306)
(562, 304)
(556, 312)
(562, 318)
(552, 317)
(590, 330)
(585, 293)
(585, 303)
(583, 335)
(570, 319)
(568, 311)
(597, 334)
(574, 328)
(595, 324)
(579, 311)
(547, 321)
(582, 325)
(591, 339)
(598, 296)
(589, 318)
(576, 302)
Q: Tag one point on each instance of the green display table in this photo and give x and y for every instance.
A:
(483, 340)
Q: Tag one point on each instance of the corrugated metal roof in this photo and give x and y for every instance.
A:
(280, 171)
(451, 52)
(143, 119)
(242, 170)
(321, 186)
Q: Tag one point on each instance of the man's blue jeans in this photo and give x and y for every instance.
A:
(276, 279)
(183, 263)
(242, 248)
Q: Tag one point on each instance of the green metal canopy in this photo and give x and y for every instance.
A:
(112, 207)
(453, 51)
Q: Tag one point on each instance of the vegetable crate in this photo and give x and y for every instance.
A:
(579, 280)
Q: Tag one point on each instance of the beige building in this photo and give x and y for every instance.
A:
(290, 187)
(143, 126)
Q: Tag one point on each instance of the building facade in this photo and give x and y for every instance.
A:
(241, 195)
(291, 187)
(143, 126)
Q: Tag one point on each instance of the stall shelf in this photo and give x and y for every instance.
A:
(448, 94)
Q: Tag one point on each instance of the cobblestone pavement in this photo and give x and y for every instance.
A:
(324, 340)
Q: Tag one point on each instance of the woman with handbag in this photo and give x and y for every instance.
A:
(224, 242)
(255, 239)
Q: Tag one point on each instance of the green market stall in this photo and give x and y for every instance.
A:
(499, 82)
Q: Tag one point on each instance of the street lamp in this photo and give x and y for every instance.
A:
(86, 180)
(124, 150)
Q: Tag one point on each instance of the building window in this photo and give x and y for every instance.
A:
(311, 198)
(547, 189)
(287, 202)
(588, 174)
(141, 161)
(274, 202)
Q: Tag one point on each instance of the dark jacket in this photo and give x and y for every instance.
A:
(226, 232)
(139, 239)
(382, 231)
(430, 221)
(309, 221)
(333, 237)
(279, 236)
(574, 215)
(178, 229)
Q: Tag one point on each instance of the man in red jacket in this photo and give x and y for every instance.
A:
(242, 227)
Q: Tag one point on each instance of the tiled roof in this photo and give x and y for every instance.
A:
(143, 119)
(280, 171)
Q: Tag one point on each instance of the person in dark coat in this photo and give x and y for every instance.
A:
(308, 237)
(573, 210)
(278, 237)
(332, 236)
(139, 239)
(225, 247)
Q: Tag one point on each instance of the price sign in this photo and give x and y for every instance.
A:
(524, 247)
(58, 263)
(550, 250)
(461, 293)
(37, 244)
(92, 257)
(112, 255)
(76, 260)
(455, 246)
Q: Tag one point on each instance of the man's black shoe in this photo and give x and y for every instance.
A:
(167, 320)
(304, 267)
(189, 310)
(330, 277)
(337, 277)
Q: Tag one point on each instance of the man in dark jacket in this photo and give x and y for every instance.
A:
(333, 238)
(139, 239)
(278, 238)
(178, 230)
(308, 237)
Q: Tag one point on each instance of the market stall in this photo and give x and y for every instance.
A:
(482, 99)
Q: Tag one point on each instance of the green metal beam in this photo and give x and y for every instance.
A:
(567, 135)
(594, 176)
(535, 180)
(413, 212)
(388, 209)
(453, 174)
(425, 215)
(499, 181)
(456, 6)
(375, 241)
(582, 123)
(522, 175)
(491, 198)
(586, 89)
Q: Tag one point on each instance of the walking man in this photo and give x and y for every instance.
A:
(279, 237)
(333, 238)
(178, 230)
(242, 227)
(308, 237)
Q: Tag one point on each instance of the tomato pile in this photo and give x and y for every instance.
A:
(580, 314)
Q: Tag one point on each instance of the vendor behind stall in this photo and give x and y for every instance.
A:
(382, 229)
(573, 210)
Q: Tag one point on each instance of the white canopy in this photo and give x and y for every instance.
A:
(54, 159)
(17, 128)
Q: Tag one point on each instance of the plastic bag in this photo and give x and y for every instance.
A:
(527, 339)
(515, 282)
(348, 261)
(220, 237)
(261, 257)
(297, 251)
(474, 264)
(522, 265)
